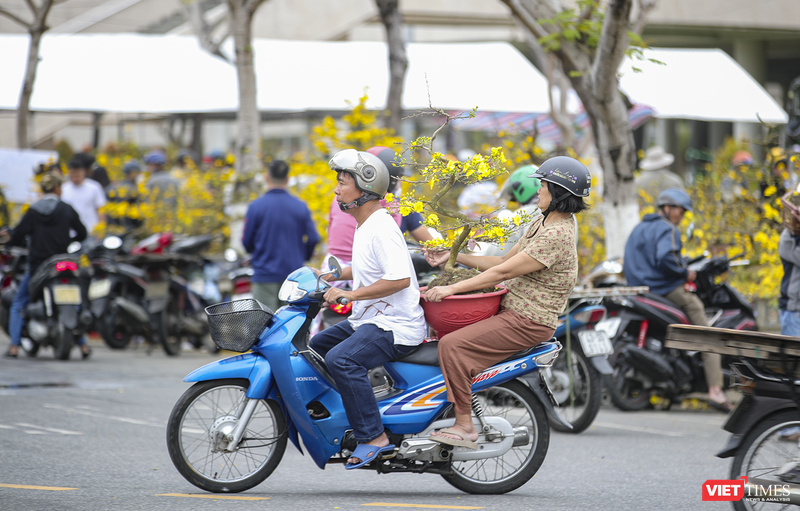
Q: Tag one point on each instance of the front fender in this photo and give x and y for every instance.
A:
(249, 366)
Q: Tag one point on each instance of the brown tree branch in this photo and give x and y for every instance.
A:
(15, 19)
(611, 48)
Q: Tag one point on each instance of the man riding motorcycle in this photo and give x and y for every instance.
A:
(387, 321)
(653, 258)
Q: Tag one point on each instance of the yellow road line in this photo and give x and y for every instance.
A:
(426, 506)
(29, 487)
(220, 497)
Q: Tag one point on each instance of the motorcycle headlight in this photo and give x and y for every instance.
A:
(291, 292)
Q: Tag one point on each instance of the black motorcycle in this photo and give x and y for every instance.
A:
(120, 297)
(645, 370)
(765, 425)
(57, 314)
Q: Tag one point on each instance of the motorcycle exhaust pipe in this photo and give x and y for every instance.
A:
(131, 309)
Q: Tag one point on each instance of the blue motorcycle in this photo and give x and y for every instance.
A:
(229, 431)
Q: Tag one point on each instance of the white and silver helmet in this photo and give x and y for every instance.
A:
(368, 170)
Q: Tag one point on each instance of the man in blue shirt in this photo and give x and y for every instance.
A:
(653, 258)
(280, 235)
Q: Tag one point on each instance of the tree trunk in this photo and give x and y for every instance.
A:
(398, 61)
(36, 28)
(248, 117)
(593, 76)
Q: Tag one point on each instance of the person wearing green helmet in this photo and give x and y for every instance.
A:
(521, 187)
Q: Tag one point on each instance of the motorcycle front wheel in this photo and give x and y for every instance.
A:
(626, 387)
(197, 430)
(580, 406)
(517, 404)
(768, 447)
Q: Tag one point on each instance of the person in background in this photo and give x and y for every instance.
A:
(45, 230)
(789, 251)
(84, 195)
(127, 191)
(656, 176)
(279, 233)
(653, 259)
(342, 226)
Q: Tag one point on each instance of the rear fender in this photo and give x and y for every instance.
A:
(602, 365)
(68, 316)
(249, 366)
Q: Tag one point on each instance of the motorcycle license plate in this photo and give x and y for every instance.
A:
(67, 295)
(156, 290)
(595, 343)
(99, 289)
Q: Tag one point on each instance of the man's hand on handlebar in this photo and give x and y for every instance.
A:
(4, 235)
(333, 294)
(691, 276)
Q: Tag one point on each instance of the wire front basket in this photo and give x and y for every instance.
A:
(235, 326)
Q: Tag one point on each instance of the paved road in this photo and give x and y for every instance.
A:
(91, 435)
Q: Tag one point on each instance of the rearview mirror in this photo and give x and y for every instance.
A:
(335, 267)
(689, 232)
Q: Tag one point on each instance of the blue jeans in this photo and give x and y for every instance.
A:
(349, 354)
(790, 323)
(15, 318)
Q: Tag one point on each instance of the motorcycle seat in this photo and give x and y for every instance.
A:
(428, 354)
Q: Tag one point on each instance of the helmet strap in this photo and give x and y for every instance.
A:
(365, 197)
(555, 200)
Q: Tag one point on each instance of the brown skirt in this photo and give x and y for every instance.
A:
(463, 354)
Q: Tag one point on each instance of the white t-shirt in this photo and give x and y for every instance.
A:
(380, 252)
(86, 199)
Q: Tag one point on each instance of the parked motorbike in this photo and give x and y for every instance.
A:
(576, 378)
(229, 431)
(644, 370)
(13, 261)
(57, 314)
(119, 296)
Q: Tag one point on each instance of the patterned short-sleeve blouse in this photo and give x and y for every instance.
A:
(542, 295)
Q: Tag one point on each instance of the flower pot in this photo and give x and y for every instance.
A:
(457, 311)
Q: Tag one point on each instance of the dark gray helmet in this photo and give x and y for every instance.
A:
(566, 172)
(675, 197)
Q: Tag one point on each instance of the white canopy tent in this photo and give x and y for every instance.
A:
(699, 84)
(172, 74)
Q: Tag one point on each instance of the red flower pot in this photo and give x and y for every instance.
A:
(457, 311)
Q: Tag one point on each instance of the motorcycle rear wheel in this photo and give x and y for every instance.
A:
(587, 384)
(492, 476)
(116, 334)
(625, 385)
(64, 342)
(762, 453)
(199, 417)
(170, 341)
